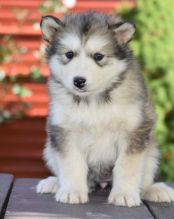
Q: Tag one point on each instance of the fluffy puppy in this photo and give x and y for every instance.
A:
(101, 120)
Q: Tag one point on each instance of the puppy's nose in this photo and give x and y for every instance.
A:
(79, 82)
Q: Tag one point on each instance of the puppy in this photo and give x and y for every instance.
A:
(101, 120)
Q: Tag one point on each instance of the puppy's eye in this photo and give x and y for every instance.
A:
(98, 57)
(69, 55)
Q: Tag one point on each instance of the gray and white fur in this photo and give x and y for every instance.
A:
(101, 119)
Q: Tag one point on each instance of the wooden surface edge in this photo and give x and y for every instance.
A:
(6, 183)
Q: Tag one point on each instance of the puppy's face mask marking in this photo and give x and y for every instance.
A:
(91, 48)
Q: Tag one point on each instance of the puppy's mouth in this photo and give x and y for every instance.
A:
(81, 92)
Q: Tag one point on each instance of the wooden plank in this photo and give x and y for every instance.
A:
(26, 203)
(162, 210)
(5, 187)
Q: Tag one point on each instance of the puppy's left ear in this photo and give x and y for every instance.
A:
(49, 26)
(124, 32)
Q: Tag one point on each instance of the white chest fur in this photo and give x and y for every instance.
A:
(96, 128)
(65, 113)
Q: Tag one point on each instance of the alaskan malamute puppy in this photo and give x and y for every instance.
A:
(101, 119)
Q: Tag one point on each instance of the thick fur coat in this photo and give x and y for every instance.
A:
(101, 121)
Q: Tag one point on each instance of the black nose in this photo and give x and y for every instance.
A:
(79, 82)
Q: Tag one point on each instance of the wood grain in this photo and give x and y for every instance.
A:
(26, 203)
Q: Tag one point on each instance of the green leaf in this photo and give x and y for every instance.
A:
(21, 91)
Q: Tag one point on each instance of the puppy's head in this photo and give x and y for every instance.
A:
(87, 52)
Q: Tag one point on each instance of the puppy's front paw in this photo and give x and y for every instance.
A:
(121, 199)
(48, 185)
(73, 196)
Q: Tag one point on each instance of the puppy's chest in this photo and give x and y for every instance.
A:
(96, 129)
(95, 117)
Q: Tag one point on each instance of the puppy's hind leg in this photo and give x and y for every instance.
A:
(159, 192)
(48, 185)
(155, 192)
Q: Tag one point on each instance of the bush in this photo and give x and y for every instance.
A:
(153, 45)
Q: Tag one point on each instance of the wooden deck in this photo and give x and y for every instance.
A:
(18, 200)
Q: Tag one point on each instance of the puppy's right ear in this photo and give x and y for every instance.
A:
(49, 26)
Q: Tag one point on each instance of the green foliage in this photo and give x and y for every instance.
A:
(7, 50)
(10, 110)
(153, 45)
(36, 75)
(21, 91)
(15, 109)
(53, 6)
(11, 84)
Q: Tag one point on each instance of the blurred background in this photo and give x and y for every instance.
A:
(23, 75)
